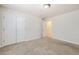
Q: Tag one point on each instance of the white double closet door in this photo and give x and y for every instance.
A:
(12, 30)
(8, 30)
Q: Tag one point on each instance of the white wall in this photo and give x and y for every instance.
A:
(66, 27)
(19, 26)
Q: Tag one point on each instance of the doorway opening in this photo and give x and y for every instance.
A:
(47, 29)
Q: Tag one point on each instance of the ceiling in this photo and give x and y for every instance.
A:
(38, 10)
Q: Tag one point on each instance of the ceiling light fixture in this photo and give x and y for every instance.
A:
(46, 5)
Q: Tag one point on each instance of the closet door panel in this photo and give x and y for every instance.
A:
(3, 30)
(9, 30)
(20, 29)
(0, 30)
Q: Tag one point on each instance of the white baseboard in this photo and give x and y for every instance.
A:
(33, 38)
(66, 41)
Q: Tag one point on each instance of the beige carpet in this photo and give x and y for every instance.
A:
(40, 47)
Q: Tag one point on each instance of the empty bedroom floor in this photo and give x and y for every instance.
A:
(43, 46)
